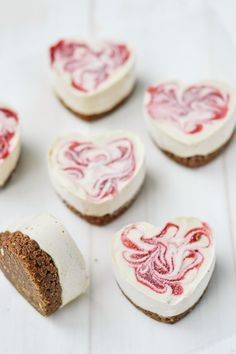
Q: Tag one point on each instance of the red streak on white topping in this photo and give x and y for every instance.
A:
(189, 110)
(8, 123)
(162, 262)
(98, 170)
(88, 68)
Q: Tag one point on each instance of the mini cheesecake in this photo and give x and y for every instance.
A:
(97, 177)
(192, 124)
(91, 78)
(43, 263)
(9, 142)
(164, 271)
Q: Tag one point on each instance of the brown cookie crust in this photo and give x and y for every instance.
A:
(31, 271)
(198, 160)
(105, 219)
(92, 117)
(155, 316)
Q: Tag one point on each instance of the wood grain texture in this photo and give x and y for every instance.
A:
(172, 39)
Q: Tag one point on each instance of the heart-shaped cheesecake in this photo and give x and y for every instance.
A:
(191, 124)
(165, 270)
(98, 177)
(91, 77)
(42, 261)
(9, 142)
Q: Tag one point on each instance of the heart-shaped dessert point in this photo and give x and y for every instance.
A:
(164, 271)
(98, 177)
(91, 77)
(9, 142)
(191, 123)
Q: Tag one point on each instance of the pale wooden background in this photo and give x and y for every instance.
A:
(186, 39)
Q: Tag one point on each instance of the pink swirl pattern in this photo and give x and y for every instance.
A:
(99, 170)
(163, 261)
(191, 109)
(8, 124)
(88, 68)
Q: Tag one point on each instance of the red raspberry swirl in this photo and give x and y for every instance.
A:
(163, 261)
(86, 67)
(8, 123)
(190, 110)
(99, 170)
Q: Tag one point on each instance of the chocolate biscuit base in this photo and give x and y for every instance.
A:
(31, 271)
(155, 316)
(104, 219)
(92, 117)
(198, 160)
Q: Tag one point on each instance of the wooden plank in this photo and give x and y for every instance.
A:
(25, 84)
(170, 43)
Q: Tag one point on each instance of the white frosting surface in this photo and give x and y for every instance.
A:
(53, 238)
(93, 78)
(190, 120)
(10, 144)
(164, 270)
(100, 174)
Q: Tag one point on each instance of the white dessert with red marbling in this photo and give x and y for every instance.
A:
(98, 176)
(190, 120)
(9, 142)
(91, 77)
(164, 270)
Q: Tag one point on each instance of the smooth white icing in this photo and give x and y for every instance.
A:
(54, 239)
(8, 164)
(79, 193)
(112, 91)
(164, 304)
(169, 138)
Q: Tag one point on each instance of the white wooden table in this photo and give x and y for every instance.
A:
(186, 39)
